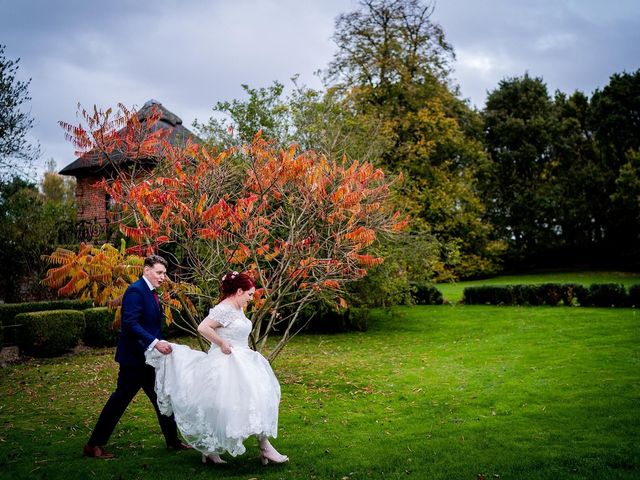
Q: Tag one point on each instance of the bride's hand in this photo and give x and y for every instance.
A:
(226, 348)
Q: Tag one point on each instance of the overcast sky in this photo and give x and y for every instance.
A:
(190, 54)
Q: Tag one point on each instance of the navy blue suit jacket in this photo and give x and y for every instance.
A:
(141, 324)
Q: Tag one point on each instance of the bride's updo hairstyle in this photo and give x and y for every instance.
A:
(233, 281)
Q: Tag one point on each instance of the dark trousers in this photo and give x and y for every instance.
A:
(130, 380)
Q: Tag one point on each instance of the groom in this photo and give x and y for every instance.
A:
(141, 324)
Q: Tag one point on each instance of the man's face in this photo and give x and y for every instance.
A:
(155, 274)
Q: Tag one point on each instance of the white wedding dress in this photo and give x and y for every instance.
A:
(219, 400)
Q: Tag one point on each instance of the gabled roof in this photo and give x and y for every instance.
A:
(91, 162)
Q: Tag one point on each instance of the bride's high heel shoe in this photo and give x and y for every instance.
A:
(270, 454)
(213, 458)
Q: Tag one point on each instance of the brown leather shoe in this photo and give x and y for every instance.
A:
(96, 452)
(179, 446)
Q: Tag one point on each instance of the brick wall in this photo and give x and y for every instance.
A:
(91, 200)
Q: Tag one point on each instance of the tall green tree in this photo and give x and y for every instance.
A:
(393, 64)
(579, 194)
(324, 121)
(520, 129)
(20, 208)
(615, 121)
(56, 188)
(17, 153)
(387, 43)
(562, 177)
(265, 109)
(31, 224)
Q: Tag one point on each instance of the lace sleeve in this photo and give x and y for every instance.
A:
(221, 315)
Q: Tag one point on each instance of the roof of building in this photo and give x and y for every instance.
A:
(93, 162)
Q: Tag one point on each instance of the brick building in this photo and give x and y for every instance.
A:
(92, 203)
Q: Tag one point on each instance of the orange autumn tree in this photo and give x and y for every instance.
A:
(300, 223)
(102, 274)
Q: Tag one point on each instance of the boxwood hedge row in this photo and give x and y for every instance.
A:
(9, 327)
(50, 333)
(98, 331)
(595, 295)
(8, 311)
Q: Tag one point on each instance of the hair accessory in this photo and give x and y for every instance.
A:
(231, 276)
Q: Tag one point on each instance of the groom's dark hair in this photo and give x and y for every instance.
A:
(152, 260)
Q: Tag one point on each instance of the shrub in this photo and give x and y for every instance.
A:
(526, 295)
(425, 293)
(606, 295)
(475, 295)
(597, 295)
(552, 294)
(489, 295)
(50, 333)
(380, 288)
(634, 296)
(358, 319)
(8, 312)
(326, 318)
(572, 293)
(98, 330)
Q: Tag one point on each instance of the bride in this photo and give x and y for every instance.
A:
(222, 397)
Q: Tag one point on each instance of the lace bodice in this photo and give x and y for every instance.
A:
(236, 327)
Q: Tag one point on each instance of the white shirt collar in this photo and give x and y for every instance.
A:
(148, 283)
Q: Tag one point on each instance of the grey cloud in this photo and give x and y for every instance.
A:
(190, 54)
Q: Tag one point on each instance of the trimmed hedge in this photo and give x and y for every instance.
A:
(51, 333)
(634, 296)
(98, 330)
(425, 293)
(606, 295)
(488, 295)
(596, 295)
(8, 311)
(561, 293)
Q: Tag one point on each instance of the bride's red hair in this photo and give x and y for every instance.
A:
(233, 281)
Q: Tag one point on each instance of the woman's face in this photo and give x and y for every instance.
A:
(243, 297)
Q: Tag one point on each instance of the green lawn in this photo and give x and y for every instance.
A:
(453, 291)
(446, 392)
